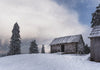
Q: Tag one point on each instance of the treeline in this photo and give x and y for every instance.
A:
(15, 43)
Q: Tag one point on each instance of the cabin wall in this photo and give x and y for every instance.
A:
(95, 49)
(80, 47)
(55, 48)
(92, 41)
(70, 48)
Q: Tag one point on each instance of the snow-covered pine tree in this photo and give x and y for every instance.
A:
(33, 47)
(15, 41)
(43, 49)
(86, 49)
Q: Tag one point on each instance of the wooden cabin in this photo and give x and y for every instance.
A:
(95, 36)
(95, 43)
(69, 44)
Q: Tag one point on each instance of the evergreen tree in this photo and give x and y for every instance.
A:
(87, 49)
(15, 41)
(43, 49)
(96, 17)
(33, 47)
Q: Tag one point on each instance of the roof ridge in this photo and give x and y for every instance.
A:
(67, 39)
(69, 36)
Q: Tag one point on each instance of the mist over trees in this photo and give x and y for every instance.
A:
(15, 42)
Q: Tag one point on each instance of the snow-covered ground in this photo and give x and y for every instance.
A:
(47, 62)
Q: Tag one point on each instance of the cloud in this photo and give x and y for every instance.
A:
(40, 19)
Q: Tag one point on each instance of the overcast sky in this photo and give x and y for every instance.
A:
(46, 19)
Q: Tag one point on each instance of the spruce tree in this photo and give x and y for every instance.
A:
(33, 47)
(87, 49)
(43, 49)
(15, 41)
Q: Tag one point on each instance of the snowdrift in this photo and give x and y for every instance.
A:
(47, 62)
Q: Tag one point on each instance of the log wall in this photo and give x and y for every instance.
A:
(95, 49)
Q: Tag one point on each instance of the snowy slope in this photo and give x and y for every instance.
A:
(47, 62)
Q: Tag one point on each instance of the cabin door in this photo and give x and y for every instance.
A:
(62, 48)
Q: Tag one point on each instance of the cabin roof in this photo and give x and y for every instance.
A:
(66, 39)
(95, 32)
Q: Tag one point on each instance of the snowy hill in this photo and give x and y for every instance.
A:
(47, 62)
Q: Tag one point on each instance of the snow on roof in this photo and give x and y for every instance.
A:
(66, 39)
(95, 32)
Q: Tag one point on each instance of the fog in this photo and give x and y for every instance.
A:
(42, 20)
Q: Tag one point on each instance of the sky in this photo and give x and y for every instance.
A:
(84, 8)
(45, 20)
